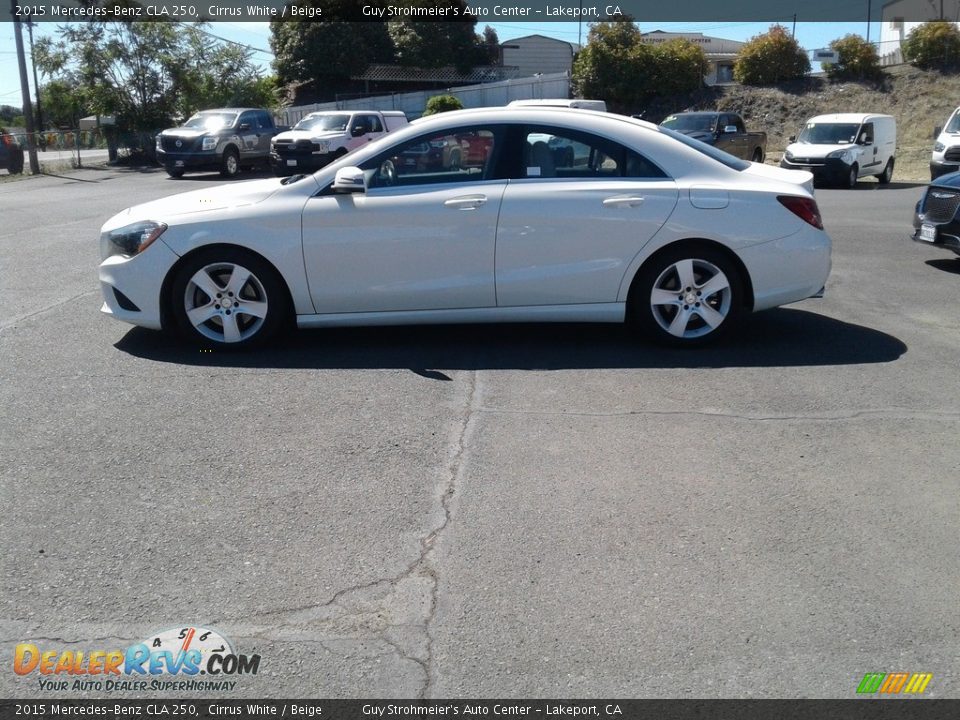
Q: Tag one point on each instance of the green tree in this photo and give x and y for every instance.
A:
(680, 66)
(488, 47)
(330, 49)
(442, 103)
(614, 65)
(858, 60)
(432, 44)
(770, 58)
(933, 45)
(63, 104)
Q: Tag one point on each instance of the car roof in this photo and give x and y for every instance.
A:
(529, 113)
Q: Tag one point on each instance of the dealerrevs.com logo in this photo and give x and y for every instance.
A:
(167, 661)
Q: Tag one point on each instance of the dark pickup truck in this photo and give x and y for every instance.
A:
(226, 139)
(723, 130)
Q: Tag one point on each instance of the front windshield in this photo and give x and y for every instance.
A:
(954, 125)
(691, 123)
(211, 121)
(323, 122)
(829, 133)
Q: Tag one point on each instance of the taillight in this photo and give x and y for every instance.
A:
(804, 208)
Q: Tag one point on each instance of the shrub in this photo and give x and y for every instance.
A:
(442, 103)
(858, 60)
(770, 58)
(933, 46)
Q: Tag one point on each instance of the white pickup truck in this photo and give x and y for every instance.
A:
(324, 136)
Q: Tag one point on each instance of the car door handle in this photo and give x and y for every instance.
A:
(467, 202)
(623, 201)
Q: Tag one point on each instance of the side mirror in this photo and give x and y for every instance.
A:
(349, 180)
(358, 131)
(936, 132)
(865, 139)
(729, 129)
(792, 139)
(244, 126)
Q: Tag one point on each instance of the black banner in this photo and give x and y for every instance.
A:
(857, 709)
(483, 11)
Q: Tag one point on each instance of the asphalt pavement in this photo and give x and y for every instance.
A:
(527, 511)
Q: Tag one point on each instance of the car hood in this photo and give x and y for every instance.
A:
(309, 135)
(795, 177)
(815, 151)
(208, 199)
(702, 136)
(189, 133)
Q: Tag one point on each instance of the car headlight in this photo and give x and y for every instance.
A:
(321, 146)
(209, 143)
(159, 144)
(939, 147)
(130, 239)
(844, 155)
(788, 155)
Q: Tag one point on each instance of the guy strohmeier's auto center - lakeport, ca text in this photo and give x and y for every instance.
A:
(197, 11)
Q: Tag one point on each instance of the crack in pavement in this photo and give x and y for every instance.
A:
(881, 413)
(420, 572)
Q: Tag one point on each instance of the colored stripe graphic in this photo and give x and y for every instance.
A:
(870, 683)
(893, 684)
(918, 683)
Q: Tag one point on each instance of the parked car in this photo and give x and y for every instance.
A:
(945, 157)
(723, 130)
(11, 154)
(844, 147)
(935, 220)
(675, 236)
(463, 150)
(225, 139)
(324, 136)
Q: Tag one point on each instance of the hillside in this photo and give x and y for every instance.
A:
(918, 99)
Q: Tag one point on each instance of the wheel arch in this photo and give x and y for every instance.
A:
(167, 321)
(693, 244)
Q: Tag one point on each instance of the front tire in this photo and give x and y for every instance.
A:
(758, 155)
(230, 163)
(228, 298)
(852, 176)
(687, 296)
(887, 175)
(175, 173)
(16, 163)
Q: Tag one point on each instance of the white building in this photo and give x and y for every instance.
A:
(538, 55)
(721, 54)
(899, 17)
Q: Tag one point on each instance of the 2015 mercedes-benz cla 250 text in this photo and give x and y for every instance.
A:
(636, 223)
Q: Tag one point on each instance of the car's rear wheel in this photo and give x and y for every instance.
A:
(230, 164)
(228, 298)
(687, 296)
(887, 175)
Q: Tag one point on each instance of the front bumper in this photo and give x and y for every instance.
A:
(946, 236)
(939, 168)
(139, 280)
(831, 170)
(289, 163)
(204, 160)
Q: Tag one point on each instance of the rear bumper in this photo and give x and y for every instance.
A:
(789, 269)
(298, 162)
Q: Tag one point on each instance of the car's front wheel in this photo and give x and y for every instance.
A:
(230, 164)
(687, 296)
(228, 298)
(852, 175)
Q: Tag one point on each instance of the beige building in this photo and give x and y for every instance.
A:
(538, 54)
(720, 53)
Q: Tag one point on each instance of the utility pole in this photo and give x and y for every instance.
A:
(868, 21)
(793, 32)
(25, 92)
(36, 84)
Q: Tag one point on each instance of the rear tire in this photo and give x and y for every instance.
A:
(687, 296)
(16, 163)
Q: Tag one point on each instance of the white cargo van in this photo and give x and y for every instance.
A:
(562, 102)
(843, 147)
(946, 150)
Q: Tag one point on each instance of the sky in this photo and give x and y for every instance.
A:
(811, 35)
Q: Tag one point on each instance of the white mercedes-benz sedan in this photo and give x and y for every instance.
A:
(492, 215)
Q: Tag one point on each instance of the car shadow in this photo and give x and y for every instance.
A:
(215, 176)
(946, 264)
(775, 338)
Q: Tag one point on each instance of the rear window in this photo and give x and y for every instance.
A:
(720, 156)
